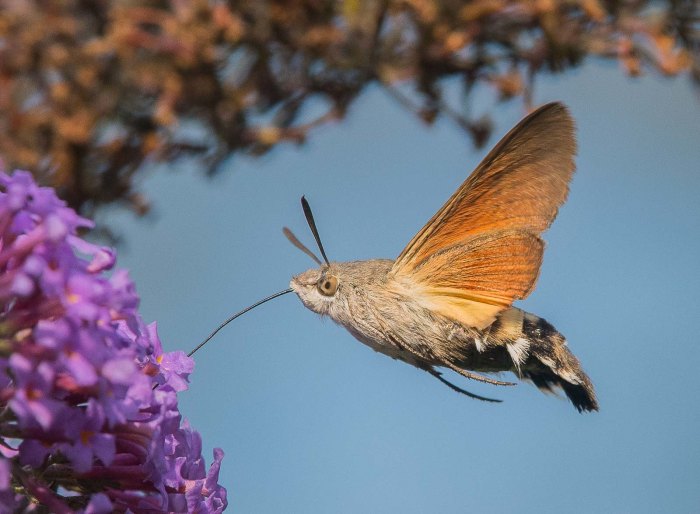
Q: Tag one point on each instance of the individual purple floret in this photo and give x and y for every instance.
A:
(89, 419)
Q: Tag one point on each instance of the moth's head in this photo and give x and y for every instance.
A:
(318, 288)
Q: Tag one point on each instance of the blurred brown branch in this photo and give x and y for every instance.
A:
(92, 90)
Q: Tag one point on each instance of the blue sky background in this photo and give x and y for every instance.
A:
(313, 421)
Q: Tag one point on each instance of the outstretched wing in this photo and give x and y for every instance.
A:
(482, 250)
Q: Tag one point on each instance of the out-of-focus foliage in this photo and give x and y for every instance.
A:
(90, 90)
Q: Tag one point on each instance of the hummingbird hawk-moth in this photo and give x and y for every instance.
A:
(446, 301)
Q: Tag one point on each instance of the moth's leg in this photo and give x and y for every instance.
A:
(476, 376)
(438, 375)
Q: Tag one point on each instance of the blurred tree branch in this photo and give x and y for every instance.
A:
(93, 90)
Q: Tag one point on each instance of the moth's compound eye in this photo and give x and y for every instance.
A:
(328, 285)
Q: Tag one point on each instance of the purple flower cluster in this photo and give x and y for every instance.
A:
(89, 420)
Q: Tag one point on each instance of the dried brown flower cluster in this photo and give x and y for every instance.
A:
(90, 90)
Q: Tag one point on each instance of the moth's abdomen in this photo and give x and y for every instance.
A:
(540, 354)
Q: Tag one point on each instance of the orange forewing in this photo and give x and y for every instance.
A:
(485, 239)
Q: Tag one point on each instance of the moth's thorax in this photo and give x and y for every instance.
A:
(355, 279)
(377, 308)
(368, 299)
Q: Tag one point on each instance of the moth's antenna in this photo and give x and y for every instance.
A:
(251, 307)
(312, 225)
(293, 239)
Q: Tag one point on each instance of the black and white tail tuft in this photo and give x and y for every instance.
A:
(550, 364)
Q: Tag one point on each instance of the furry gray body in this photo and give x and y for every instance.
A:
(379, 311)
